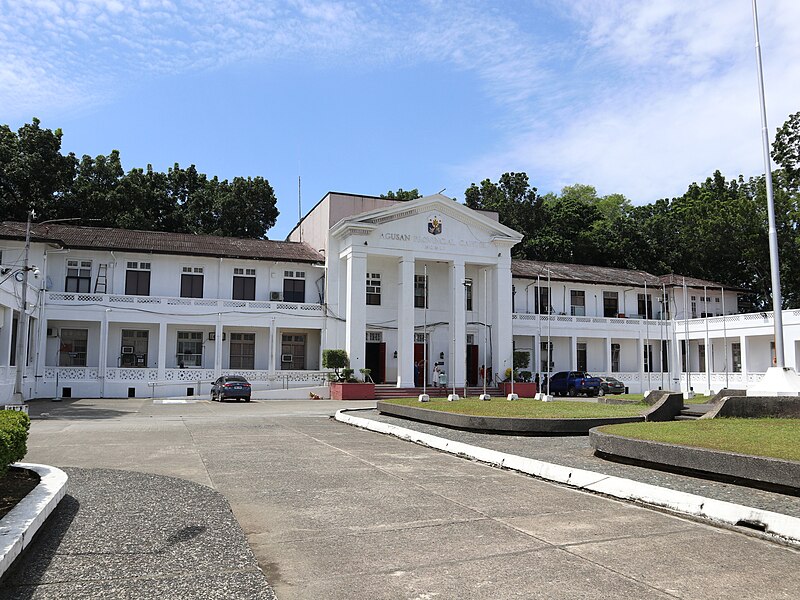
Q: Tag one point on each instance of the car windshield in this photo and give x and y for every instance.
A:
(236, 379)
(612, 380)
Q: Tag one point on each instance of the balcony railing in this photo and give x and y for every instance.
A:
(180, 375)
(584, 320)
(172, 304)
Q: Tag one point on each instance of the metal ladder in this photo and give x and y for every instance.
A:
(100, 284)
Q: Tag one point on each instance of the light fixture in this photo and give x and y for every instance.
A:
(441, 355)
(395, 353)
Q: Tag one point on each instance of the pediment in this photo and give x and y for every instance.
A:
(432, 219)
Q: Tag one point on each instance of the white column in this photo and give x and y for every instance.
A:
(162, 351)
(356, 314)
(573, 353)
(218, 347)
(640, 362)
(607, 366)
(743, 344)
(405, 322)
(709, 364)
(501, 326)
(273, 346)
(5, 341)
(102, 362)
(458, 324)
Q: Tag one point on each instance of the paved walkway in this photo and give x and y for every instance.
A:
(120, 534)
(331, 511)
(575, 451)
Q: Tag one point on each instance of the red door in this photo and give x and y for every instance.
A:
(472, 365)
(419, 366)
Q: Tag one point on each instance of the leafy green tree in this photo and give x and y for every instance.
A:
(33, 171)
(517, 203)
(786, 150)
(92, 194)
(402, 194)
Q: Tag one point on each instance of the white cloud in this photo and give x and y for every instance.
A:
(677, 99)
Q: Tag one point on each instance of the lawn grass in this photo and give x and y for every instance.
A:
(535, 409)
(774, 438)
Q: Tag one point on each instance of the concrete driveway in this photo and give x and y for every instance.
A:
(331, 511)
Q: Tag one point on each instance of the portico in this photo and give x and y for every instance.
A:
(416, 277)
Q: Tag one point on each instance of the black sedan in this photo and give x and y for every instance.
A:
(231, 386)
(611, 385)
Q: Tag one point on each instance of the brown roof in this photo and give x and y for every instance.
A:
(162, 242)
(529, 269)
(673, 279)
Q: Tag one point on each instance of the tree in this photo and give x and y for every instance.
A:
(33, 172)
(402, 194)
(786, 150)
(335, 359)
(517, 203)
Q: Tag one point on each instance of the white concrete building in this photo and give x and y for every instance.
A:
(117, 313)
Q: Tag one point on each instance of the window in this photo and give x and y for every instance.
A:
(615, 351)
(543, 301)
(544, 356)
(468, 293)
(611, 304)
(648, 358)
(580, 348)
(137, 279)
(192, 282)
(190, 349)
(577, 302)
(79, 276)
(133, 352)
(293, 351)
(694, 307)
(645, 305)
(374, 337)
(243, 351)
(72, 350)
(736, 357)
(420, 291)
(374, 289)
(701, 357)
(294, 286)
(244, 284)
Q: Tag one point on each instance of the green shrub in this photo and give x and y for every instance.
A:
(335, 359)
(14, 427)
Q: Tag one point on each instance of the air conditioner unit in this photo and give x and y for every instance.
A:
(275, 296)
(52, 332)
(286, 358)
(127, 349)
(212, 336)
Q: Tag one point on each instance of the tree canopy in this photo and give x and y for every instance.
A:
(717, 230)
(402, 194)
(34, 173)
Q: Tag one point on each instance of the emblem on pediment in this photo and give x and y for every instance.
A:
(435, 225)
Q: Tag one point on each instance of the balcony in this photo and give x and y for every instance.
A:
(187, 306)
(584, 321)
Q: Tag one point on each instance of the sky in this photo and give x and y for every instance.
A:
(640, 97)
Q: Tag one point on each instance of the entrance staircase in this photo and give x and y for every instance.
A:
(386, 391)
(691, 412)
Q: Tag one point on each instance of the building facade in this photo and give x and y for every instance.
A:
(401, 286)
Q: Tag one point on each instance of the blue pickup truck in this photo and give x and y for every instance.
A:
(572, 383)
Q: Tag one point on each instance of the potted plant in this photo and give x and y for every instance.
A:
(523, 386)
(344, 386)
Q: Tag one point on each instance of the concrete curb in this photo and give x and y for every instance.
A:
(743, 466)
(781, 526)
(22, 522)
(519, 425)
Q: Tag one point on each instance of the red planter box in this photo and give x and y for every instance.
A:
(352, 391)
(523, 390)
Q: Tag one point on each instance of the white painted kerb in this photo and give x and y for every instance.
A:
(718, 511)
(22, 522)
